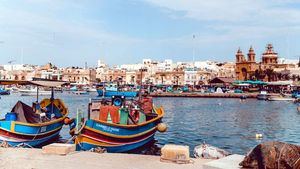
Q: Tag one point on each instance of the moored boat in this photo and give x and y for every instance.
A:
(4, 92)
(33, 91)
(280, 98)
(113, 90)
(119, 124)
(80, 92)
(34, 125)
(262, 95)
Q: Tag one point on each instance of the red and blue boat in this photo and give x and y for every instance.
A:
(34, 125)
(119, 124)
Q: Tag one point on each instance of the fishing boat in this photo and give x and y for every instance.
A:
(32, 126)
(33, 91)
(4, 92)
(73, 88)
(118, 124)
(80, 92)
(262, 95)
(90, 89)
(113, 90)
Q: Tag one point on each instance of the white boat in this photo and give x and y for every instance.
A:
(33, 92)
(262, 95)
(280, 98)
(90, 89)
(81, 92)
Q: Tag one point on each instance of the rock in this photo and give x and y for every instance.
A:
(273, 155)
(209, 152)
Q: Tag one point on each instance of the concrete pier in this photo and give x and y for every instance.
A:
(206, 95)
(26, 158)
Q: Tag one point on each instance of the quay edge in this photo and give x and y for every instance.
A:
(206, 95)
(34, 158)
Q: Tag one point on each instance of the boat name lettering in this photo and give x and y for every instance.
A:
(107, 128)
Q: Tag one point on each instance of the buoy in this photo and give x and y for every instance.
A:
(68, 121)
(162, 127)
(258, 136)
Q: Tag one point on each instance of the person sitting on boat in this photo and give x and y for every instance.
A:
(146, 103)
(36, 107)
(135, 114)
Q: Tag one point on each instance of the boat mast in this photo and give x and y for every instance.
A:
(37, 94)
(52, 93)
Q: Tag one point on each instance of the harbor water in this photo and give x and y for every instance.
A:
(230, 124)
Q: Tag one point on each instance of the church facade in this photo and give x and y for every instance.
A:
(249, 69)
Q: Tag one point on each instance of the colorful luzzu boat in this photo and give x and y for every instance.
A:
(114, 129)
(36, 125)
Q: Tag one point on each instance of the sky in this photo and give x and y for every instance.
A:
(72, 32)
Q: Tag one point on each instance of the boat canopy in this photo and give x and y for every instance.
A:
(25, 113)
(251, 82)
(44, 83)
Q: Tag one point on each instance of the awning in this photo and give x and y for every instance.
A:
(44, 83)
(48, 83)
(251, 82)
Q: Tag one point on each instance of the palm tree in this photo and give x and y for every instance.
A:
(269, 73)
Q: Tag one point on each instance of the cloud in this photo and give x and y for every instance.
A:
(226, 21)
(233, 11)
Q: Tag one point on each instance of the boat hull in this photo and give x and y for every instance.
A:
(87, 144)
(262, 97)
(33, 134)
(15, 133)
(4, 92)
(280, 99)
(117, 93)
(114, 137)
(34, 93)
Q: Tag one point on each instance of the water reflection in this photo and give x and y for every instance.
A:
(225, 123)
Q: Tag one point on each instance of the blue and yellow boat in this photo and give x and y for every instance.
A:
(33, 125)
(119, 127)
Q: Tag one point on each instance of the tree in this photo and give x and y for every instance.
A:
(270, 74)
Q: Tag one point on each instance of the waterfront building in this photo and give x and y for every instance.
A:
(190, 76)
(175, 77)
(114, 75)
(131, 77)
(79, 75)
(249, 69)
(165, 66)
(245, 67)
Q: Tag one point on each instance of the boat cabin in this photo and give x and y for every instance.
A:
(120, 110)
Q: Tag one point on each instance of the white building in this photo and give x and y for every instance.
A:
(206, 65)
(100, 63)
(287, 61)
(131, 67)
(166, 65)
(19, 67)
(190, 77)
